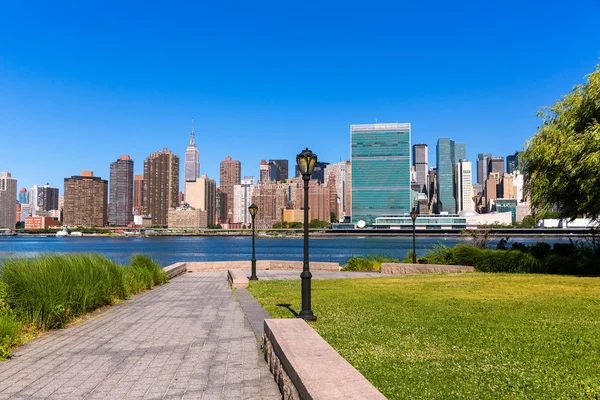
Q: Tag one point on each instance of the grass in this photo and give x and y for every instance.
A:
(48, 292)
(483, 336)
(368, 263)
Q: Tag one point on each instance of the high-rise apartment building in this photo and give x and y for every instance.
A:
(464, 186)
(8, 201)
(496, 164)
(282, 169)
(86, 200)
(271, 198)
(231, 171)
(420, 162)
(43, 199)
(161, 185)
(448, 153)
(264, 171)
(482, 167)
(242, 199)
(120, 204)
(192, 160)
(202, 195)
(138, 195)
(380, 156)
(336, 175)
(319, 200)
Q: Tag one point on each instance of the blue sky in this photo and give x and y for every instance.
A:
(82, 83)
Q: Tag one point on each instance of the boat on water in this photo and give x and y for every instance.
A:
(7, 232)
(76, 233)
(64, 232)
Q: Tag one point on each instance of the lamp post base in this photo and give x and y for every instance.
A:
(253, 278)
(307, 315)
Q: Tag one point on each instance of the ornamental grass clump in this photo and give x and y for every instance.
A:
(368, 263)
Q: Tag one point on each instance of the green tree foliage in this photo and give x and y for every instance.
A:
(318, 224)
(563, 159)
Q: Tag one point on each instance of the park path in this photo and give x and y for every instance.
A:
(187, 339)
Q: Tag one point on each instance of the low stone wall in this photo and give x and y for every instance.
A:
(402, 269)
(175, 269)
(237, 278)
(260, 264)
(306, 367)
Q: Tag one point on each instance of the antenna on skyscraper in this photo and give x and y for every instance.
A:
(192, 135)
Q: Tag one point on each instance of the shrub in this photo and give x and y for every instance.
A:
(439, 254)
(487, 260)
(368, 263)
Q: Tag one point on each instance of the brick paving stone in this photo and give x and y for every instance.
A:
(189, 338)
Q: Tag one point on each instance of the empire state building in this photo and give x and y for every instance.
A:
(192, 160)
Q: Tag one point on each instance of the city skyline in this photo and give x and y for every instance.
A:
(84, 99)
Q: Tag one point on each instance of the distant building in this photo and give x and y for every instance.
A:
(464, 186)
(138, 195)
(282, 168)
(187, 217)
(161, 185)
(482, 167)
(120, 204)
(242, 199)
(231, 171)
(420, 162)
(337, 174)
(39, 222)
(318, 200)
(192, 160)
(23, 196)
(264, 171)
(202, 195)
(86, 200)
(491, 191)
(448, 153)
(295, 215)
(8, 201)
(380, 174)
(496, 164)
(43, 199)
(271, 198)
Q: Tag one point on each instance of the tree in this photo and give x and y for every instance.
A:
(318, 224)
(562, 160)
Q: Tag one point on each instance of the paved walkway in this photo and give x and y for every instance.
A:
(280, 275)
(186, 339)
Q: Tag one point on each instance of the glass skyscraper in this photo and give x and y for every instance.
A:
(448, 153)
(380, 155)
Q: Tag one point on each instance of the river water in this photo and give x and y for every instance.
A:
(170, 249)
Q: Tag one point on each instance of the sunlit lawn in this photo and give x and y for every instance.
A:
(468, 336)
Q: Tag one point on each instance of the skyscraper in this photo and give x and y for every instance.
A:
(482, 167)
(43, 199)
(8, 201)
(464, 186)
(192, 160)
(512, 162)
(496, 164)
(86, 200)
(380, 156)
(201, 195)
(231, 171)
(161, 185)
(282, 166)
(120, 206)
(448, 153)
(23, 196)
(264, 171)
(420, 162)
(242, 199)
(138, 194)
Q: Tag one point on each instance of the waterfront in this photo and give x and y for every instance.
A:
(168, 250)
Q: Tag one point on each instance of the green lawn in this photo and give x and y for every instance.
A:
(469, 336)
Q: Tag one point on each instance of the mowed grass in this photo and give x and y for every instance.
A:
(469, 336)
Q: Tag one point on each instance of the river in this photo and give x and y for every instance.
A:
(170, 249)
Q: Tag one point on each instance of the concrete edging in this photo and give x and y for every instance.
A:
(281, 265)
(306, 367)
(237, 278)
(175, 269)
(404, 269)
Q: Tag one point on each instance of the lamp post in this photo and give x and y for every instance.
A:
(253, 209)
(306, 162)
(413, 216)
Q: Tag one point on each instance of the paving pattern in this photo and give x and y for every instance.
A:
(188, 339)
(280, 275)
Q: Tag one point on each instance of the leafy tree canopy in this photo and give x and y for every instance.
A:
(562, 160)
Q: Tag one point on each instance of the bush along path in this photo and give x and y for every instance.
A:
(47, 292)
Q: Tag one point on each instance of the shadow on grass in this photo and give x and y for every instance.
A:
(289, 307)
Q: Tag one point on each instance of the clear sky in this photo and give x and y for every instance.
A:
(83, 82)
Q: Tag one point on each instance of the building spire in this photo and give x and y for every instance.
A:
(192, 134)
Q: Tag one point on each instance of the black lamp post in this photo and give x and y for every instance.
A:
(413, 216)
(253, 210)
(306, 162)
